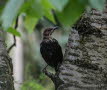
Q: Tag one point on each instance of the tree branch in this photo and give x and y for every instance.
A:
(14, 44)
(56, 18)
(54, 77)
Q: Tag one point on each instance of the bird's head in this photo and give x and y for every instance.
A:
(48, 31)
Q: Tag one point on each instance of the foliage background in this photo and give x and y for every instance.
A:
(37, 15)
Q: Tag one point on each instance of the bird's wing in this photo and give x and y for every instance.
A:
(51, 52)
(46, 51)
(58, 52)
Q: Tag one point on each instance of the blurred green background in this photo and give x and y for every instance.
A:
(34, 17)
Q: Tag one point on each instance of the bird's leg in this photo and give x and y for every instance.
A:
(44, 70)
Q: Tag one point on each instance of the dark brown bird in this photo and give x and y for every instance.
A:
(50, 49)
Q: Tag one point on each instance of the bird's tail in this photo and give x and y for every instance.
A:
(57, 67)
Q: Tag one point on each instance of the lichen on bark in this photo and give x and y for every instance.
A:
(6, 69)
(85, 60)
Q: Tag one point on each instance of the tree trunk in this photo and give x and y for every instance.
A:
(18, 55)
(6, 69)
(85, 60)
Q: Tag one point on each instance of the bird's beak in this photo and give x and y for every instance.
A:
(55, 28)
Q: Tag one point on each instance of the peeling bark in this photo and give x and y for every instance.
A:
(6, 68)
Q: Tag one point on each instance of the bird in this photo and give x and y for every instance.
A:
(50, 49)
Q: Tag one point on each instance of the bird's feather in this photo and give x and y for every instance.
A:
(51, 52)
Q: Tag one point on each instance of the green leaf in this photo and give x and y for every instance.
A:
(71, 12)
(47, 6)
(30, 23)
(98, 4)
(2, 4)
(59, 4)
(13, 31)
(33, 8)
(10, 12)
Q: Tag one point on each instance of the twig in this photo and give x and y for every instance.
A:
(56, 18)
(49, 74)
(54, 77)
(14, 43)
